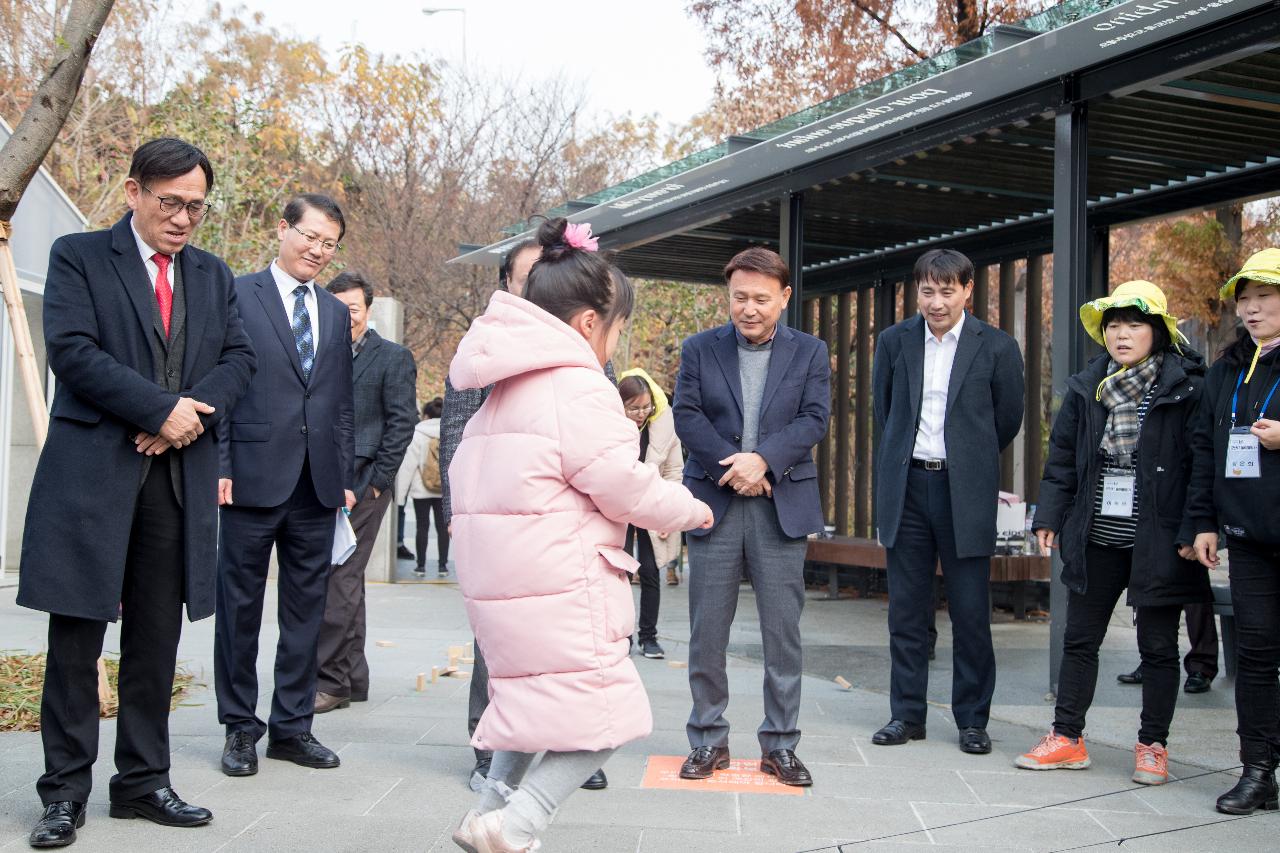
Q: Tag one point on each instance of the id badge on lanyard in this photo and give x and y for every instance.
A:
(1243, 445)
(1242, 455)
(1117, 495)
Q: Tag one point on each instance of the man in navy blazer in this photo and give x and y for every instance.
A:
(752, 399)
(287, 458)
(144, 335)
(948, 397)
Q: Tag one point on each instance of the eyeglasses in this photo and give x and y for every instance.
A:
(170, 204)
(312, 239)
(643, 410)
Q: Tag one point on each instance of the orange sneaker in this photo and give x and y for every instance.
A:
(1150, 764)
(1055, 752)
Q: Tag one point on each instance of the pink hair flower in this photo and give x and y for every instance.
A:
(579, 237)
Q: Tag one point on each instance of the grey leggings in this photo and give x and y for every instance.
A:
(528, 810)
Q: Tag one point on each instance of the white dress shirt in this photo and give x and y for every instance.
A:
(939, 356)
(287, 284)
(146, 251)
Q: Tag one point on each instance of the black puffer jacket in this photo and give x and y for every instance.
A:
(1159, 576)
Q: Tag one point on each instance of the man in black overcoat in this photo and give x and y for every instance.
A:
(144, 336)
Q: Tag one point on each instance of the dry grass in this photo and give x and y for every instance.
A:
(22, 680)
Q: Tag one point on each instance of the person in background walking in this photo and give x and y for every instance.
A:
(947, 394)
(420, 481)
(646, 405)
(385, 379)
(549, 477)
(1112, 499)
(1235, 486)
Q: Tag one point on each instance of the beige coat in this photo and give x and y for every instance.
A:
(664, 453)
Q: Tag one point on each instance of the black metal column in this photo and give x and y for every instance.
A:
(791, 247)
(1032, 457)
(1070, 290)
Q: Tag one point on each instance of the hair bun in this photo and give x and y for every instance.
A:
(551, 239)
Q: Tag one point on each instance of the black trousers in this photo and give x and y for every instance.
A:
(343, 668)
(478, 698)
(1255, 597)
(650, 588)
(423, 510)
(1087, 618)
(151, 625)
(301, 529)
(1203, 632)
(926, 536)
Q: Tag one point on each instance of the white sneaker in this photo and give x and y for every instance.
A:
(487, 834)
(464, 835)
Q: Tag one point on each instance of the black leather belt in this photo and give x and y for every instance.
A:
(929, 464)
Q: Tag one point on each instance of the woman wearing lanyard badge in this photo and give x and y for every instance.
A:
(1235, 485)
(1112, 497)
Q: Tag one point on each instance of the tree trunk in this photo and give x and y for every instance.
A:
(43, 119)
(1231, 218)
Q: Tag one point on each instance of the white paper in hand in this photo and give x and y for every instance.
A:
(344, 538)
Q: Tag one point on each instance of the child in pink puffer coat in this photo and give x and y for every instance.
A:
(544, 483)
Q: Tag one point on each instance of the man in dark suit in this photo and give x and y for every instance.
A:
(144, 335)
(287, 460)
(752, 399)
(948, 396)
(385, 416)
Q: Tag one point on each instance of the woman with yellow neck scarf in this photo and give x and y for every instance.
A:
(1234, 488)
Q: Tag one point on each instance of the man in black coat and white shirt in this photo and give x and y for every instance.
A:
(145, 338)
(948, 397)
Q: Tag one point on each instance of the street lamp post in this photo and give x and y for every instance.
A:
(430, 10)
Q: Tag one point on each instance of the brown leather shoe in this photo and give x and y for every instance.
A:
(789, 769)
(673, 579)
(704, 761)
(326, 703)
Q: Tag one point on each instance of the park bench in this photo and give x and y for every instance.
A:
(859, 552)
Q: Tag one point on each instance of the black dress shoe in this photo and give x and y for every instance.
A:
(58, 825)
(239, 757)
(975, 741)
(164, 807)
(898, 732)
(1197, 682)
(403, 553)
(597, 782)
(1134, 677)
(303, 750)
(789, 769)
(704, 761)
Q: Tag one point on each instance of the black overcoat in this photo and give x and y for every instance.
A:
(984, 412)
(97, 318)
(1159, 576)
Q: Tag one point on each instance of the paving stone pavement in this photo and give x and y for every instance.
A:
(402, 784)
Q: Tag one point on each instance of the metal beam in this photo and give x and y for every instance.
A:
(791, 247)
(1070, 291)
(862, 416)
(1007, 297)
(824, 446)
(1032, 456)
(953, 185)
(843, 321)
(981, 295)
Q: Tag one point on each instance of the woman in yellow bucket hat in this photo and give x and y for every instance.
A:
(1235, 487)
(1111, 498)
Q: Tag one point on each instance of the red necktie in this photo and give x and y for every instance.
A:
(164, 293)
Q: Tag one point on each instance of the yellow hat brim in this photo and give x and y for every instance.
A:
(1228, 290)
(1091, 316)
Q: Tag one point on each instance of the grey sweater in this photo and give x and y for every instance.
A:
(753, 370)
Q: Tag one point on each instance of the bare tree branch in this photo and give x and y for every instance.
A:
(883, 21)
(25, 150)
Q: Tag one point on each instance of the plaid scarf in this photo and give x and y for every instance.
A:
(1121, 392)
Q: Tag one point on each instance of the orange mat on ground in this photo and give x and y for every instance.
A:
(742, 777)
